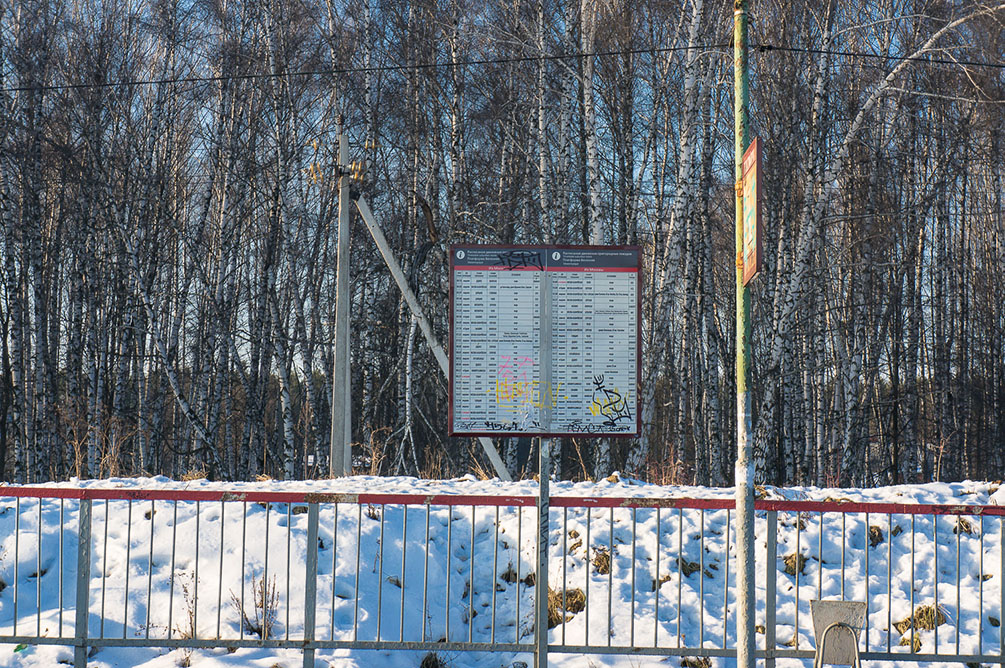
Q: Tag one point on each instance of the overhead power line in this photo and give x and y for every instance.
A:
(761, 48)
(764, 48)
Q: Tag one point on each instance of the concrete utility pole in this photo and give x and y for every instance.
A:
(340, 461)
(744, 473)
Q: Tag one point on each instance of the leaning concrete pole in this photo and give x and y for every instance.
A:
(744, 460)
(341, 448)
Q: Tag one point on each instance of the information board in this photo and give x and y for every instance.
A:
(544, 340)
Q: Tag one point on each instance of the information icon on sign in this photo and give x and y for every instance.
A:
(556, 256)
(460, 255)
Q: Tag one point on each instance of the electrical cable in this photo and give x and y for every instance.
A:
(761, 48)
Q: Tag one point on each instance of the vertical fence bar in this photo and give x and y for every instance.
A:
(244, 545)
(980, 584)
(587, 577)
(104, 571)
(770, 584)
(174, 554)
(471, 579)
(219, 575)
(38, 573)
(913, 580)
(519, 547)
(980, 596)
(725, 588)
(380, 572)
(631, 631)
(150, 574)
(335, 570)
(195, 579)
(450, 572)
(889, 579)
(701, 578)
(59, 581)
(935, 574)
(83, 583)
(310, 584)
(656, 599)
(17, 560)
(1001, 588)
(129, 545)
(404, 545)
(867, 546)
(799, 547)
(610, 573)
(289, 541)
(425, 576)
(265, 565)
(820, 559)
(565, 565)
(495, 574)
(680, 566)
(844, 549)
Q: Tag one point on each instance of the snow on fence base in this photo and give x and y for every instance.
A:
(92, 568)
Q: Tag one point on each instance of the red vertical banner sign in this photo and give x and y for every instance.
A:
(752, 225)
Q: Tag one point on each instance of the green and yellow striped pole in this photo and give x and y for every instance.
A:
(744, 473)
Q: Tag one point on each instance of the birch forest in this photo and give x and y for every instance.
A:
(169, 204)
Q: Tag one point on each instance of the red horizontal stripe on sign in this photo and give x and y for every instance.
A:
(596, 269)
(492, 267)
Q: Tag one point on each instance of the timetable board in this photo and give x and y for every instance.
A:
(544, 340)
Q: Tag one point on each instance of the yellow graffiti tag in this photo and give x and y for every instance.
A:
(517, 395)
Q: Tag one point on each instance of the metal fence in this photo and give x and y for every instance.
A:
(93, 568)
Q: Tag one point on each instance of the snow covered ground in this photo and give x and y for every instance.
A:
(475, 567)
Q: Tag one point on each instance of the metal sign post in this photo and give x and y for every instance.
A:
(541, 579)
(744, 473)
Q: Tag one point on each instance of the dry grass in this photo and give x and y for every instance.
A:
(663, 580)
(963, 525)
(794, 563)
(688, 568)
(433, 660)
(875, 536)
(193, 474)
(926, 618)
(187, 630)
(601, 561)
(574, 535)
(265, 610)
(575, 600)
(696, 662)
(509, 575)
(798, 522)
(560, 612)
(915, 643)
